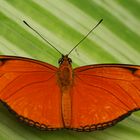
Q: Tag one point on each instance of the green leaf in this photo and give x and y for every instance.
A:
(64, 23)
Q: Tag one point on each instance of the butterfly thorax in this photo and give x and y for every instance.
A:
(65, 75)
(65, 81)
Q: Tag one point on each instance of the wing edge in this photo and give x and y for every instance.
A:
(8, 57)
(102, 126)
(28, 122)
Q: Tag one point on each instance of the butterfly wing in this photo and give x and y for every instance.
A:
(104, 94)
(29, 88)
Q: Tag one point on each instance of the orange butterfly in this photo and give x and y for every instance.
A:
(86, 98)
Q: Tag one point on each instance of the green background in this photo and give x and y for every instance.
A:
(64, 23)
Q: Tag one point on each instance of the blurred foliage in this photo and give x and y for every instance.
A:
(64, 23)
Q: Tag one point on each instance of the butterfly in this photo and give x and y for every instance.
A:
(86, 98)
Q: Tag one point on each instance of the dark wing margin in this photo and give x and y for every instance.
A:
(7, 59)
(110, 90)
(102, 126)
(131, 68)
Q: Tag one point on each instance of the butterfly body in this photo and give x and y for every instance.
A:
(65, 82)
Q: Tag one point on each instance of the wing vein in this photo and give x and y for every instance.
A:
(101, 77)
(28, 71)
(28, 84)
(136, 88)
(106, 91)
(10, 83)
(127, 94)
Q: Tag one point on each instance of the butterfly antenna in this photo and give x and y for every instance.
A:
(85, 36)
(41, 36)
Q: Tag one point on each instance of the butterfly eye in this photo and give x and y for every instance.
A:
(69, 60)
(60, 61)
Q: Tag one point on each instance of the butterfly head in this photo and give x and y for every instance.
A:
(64, 60)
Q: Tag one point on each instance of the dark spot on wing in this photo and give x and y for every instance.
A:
(132, 70)
(2, 61)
